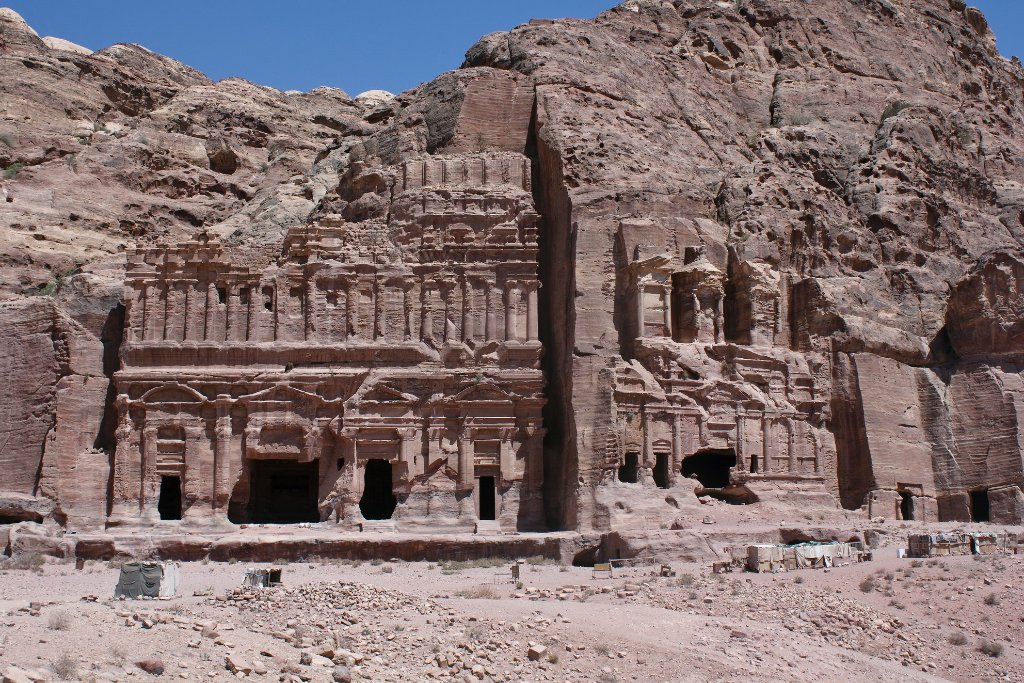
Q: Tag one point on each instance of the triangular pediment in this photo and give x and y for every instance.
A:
(382, 393)
(282, 393)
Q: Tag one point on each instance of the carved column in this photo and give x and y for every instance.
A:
(409, 452)
(641, 330)
(648, 459)
(448, 297)
(127, 465)
(677, 448)
(535, 458)
(196, 471)
(666, 312)
(232, 324)
(379, 315)
(467, 309)
(426, 312)
(408, 294)
(150, 483)
(511, 301)
(351, 311)
(491, 315)
(212, 308)
(222, 456)
(506, 455)
(312, 308)
(741, 429)
(719, 319)
(532, 331)
(766, 439)
(791, 445)
(467, 471)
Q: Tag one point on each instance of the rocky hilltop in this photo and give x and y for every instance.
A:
(780, 251)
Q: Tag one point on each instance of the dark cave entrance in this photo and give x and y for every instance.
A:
(906, 505)
(711, 467)
(661, 470)
(488, 499)
(979, 506)
(169, 503)
(283, 492)
(378, 501)
(629, 471)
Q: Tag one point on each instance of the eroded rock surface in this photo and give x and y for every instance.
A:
(760, 252)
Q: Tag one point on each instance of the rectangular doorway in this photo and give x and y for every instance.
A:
(283, 492)
(488, 499)
(661, 470)
(979, 506)
(169, 503)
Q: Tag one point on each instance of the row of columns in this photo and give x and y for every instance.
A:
(237, 312)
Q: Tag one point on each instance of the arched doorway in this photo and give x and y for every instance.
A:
(711, 467)
(378, 501)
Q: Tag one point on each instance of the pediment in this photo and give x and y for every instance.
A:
(283, 394)
(483, 392)
(173, 393)
(382, 393)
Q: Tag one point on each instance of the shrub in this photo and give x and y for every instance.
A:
(686, 580)
(602, 649)
(6, 139)
(29, 561)
(798, 579)
(917, 564)
(59, 621)
(868, 585)
(894, 109)
(66, 667)
(991, 599)
(958, 638)
(990, 648)
(13, 169)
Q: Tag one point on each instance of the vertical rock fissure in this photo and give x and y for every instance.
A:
(557, 316)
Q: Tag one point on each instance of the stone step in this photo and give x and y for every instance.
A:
(488, 528)
(379, 526)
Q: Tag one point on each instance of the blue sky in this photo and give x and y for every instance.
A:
(350, 44)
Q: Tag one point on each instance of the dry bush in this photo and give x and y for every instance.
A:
(991, 599)
(686, 580)
(65, 667)
(482, 592)
(26, 561)
(59, 621)
(990, 648)
(958, 638)
(868, 585)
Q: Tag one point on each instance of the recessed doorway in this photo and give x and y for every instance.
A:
(169, 503)
(283, 492)
(378, 501)
(711, 467)
(488, 499)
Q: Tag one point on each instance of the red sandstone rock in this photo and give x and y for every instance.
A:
(777, 248)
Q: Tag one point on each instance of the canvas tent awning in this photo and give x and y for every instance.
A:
(147, 580)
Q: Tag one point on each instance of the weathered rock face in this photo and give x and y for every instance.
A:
(771, 246)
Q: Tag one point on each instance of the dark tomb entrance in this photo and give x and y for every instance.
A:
(710, 467)
(661, 470)
(283, 492)
(906, 505)
(979, 506)
(487, 498)
(629, 472)
(169, 503)
(378, 501)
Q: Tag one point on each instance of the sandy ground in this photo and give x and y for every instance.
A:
(920, 620)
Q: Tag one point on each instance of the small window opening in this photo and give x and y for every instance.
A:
(753, 463)
(169, 503)
(979, 506)
(629, 471)
(341, 464)
(487, 498)
(661, 470)
(222, 295)
(332, 299)
(243, 296)
(268, 299)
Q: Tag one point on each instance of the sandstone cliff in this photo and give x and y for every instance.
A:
(851, 169)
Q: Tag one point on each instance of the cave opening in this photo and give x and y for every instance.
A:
(661, 470)
(283, 492)
(629, 470)
(906, 505)
(979, 505)
(378, 501)
(710, 467)
(169, 503)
